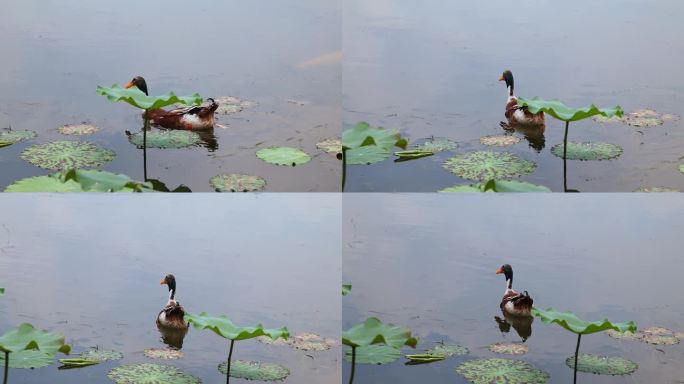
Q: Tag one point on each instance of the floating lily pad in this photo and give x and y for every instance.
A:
(229, 105)
(499, 140)
(647, 118)
(333, 146)
(283, 156)
(78, 129)
(5, 143)
(151, 373)
(166, 139)
(255, 370)
(498, 186)
(234, 182)
(485, 165)
(487, 371)
(602, 365)
(268, 340)
(28, 359)
(15, 136)
(374, 331)
(374, 354)
(436, 145)
(655, 189)
(368, 154)
(448, 350)
(59, 155)
(163, 353)
(509, 348)
(102, 355)
(77, 362)
(635, 336)
(681, 168)
(423, 358)
(79, 180)
(413, 154)
(305, 341)
(659, 336)
(588, 151)
(44, 184)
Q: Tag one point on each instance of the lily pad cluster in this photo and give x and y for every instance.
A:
(487, 371)
(229, 105)
(602, 365)
(60, 155)
(255, 370)
(163, 353)
(651, 335)
(305, 341)
(333, 146)
(151, 373)
(234, 182)
(78, 129)
(166, 139)
(509, 348)
(102, 355)
(283, 156)
(486, 165)
(500, 140)
(436, 145)
(588, 151)
(16, 136)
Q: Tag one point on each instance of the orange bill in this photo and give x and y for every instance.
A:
(129, 85)
(500, 79)
(499, 271)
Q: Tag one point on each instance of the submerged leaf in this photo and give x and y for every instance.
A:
(498, 186)
(588, 151)
(602, 365)
(333, 146)
(436, 145)
(488, 371)
(28, 359)
(373, 331)
(448, 350)
(151, 373)
(255, 370)
(562, 112)
(486, 165)
(572, 323)
(223, 327)
(137, 98)
(655, 189)
(163, 353)
(283, 156)
(78, 129)
(165, 139)
(374, 354)
(27, 337)
(59, 155)
(229, 105)
(509, 348)
(659, 336)
(102, 355)
(14, 136)
(305, 341)
(647, 118)
(500, 140)
(234, 182)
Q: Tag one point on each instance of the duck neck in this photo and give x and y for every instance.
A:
(172, 291)
(510, 90)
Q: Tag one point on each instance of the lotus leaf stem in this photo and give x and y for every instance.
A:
(230, 357)
(565, 157)
(353, 362)
(344, 166)
(4, 381)
(579, 337)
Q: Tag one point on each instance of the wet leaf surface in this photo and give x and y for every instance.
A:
(255, 370)
(602, 365)
(151, 373)
(234, 182)
(60, 155)
(485, 165)
(374, 354)
(488, 371)
(283, 156)
(588, 151)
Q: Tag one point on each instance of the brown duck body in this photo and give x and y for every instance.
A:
(521, 116)
(197, 118)
(516, 304)
(172, 316)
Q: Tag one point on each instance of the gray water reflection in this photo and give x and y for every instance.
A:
(91, 271)
(432, 69)
(428, 262)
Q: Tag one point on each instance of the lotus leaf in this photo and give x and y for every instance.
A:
(369, 154)
(234, 182)
(363, 135)
(229, 105)
(413, 154)
(487, 371)
(562, 112)
(255, 370)
(166, 139)
(647, 118)
(14, 137)
(636, 336)
(681, 168)
(423, 358)
(659, 336)
(602, 365)
(5, 143)
(223, 327)
(373, 331)
(485, 165)
(102, 355)
(509, 348)
(59, 155)
(588, 151)
(50, 183)
(374, 354)
(498, 186)
(305, 341)
(137, 98)
(28, 359)
(2, 290)
(283, 156)
(572, 323)
(163, 353)
(500, 140)
(655, 189)
(436, 145)
(77, 363)
(448, 350)
(333, 146)
(27, 337)
(151, 373)
(78, 129)
(79, 180)
(346, 289)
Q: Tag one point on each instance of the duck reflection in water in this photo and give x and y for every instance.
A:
(533, 134)
(521, 325)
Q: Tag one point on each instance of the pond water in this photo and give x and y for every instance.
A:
(428, 262)
(282, 55)
(433, 71)
(90, 271)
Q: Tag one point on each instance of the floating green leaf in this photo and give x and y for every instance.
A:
(486, 165)
(374, 354)
(636, 336)
(373, 331)
(15, 136)
(49, 183)
(413, 154)
(78, 129)
(681, 168)
(79, 180)
(509, 348)
(255, 370)
(2, 290)
(655, 189)
(500, 140)
(572, 323)
(448, 350)
(76, 363)
(137, 98)
(488, 371)
(367, 155)
(166, 139)
(283, 156)
(423, 358)
(588, 151)
(151, 373)
(102, 355)
(27, 337)
(346, 289)
(5, 143)
(498, 186)
(364, 135)
(229, 105)
(163, 353)
(28, 359)
(305, 341)
(436, 145)
(223, 327)
(659, 336)
(562, 112)
(333, 146)
(234, 182)
(59, 155)
(647, 118)
(602, 365)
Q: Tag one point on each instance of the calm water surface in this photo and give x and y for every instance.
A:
(280, 54)
(428, 262)
(432, 69)
(91, 271)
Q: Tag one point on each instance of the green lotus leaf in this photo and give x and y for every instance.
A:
(413, 154)
(78, 362)
(681, 168)
(2, 290)
(436, 145)
(646, 189)
(101, 355)
(363, 135)
(588, 151)
(305, 341)
(374, 354)
(78, 129)
(137, 98)
(15, 136)
(151, 373)
(59, 155)
(373, 331)
(423, 358)
(499, 140)
(367, 155)
(333, 146)
(486, 165)
(509, 348)
(234, 182)
(163, 353)
(602, 365)
(166, 139)
(255, 370)
(27, 337)
(28, 359)
(647, 118)
(223, 327)
(283, 156)
(229, 105)
(562, 112)
(79, 180)
(487, 371)
(448, 350)
(572, 323)
(49, 183)
(346, 289)
(498, 186)
(5, 143)
(658, 336)
(635, 336)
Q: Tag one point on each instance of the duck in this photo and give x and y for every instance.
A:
(173, 314)
(514, 303)
(196, 118)
(518, 116)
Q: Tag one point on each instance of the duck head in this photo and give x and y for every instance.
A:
(507, 271)
(170, 280)
(139, 83)
(507, 76)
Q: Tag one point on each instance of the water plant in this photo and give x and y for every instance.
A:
(601, 365)
(78, 129)
(225, 328)
(372, 332)
(333, 146)
(497, 370)
(498, 186)
(487, 165)
(373, 354)
(16, 136)
(509, 348)
(139, 99)
(254, 370)
(79, 180)
(283, 156)
(587, 151)
(346, 289)
(165, 139)
(499, 140)
(60, 155)
(163, 353)
(234, 182)
(151, 373)
(439, 352)
(570, 322)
